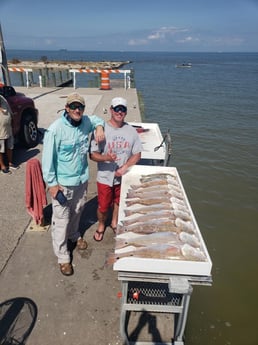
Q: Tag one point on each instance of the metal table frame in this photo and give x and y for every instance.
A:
(176, 292)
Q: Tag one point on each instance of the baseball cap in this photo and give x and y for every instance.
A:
(75, 97)
(118, 101)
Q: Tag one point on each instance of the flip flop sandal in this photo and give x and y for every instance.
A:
(66, 269)
(113, 228)
(100, 234)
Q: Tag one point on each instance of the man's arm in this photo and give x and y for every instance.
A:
(98, 157)
(99, 134)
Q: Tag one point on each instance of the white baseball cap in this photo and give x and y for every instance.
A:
(118, 101)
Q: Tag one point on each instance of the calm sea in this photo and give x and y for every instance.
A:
(211, 110)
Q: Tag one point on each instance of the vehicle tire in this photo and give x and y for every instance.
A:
(29, 132)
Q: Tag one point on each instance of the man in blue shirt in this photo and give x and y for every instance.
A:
(66, 173)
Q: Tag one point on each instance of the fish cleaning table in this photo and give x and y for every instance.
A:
(156, 148)
(157, 277)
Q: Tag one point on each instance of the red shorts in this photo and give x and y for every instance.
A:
(107, 196)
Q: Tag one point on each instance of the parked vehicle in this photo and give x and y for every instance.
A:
(25, 116)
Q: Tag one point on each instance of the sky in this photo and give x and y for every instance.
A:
(135, 25)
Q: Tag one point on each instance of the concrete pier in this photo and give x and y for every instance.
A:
(81, 309)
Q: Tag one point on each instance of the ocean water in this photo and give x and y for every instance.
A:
(211, 111)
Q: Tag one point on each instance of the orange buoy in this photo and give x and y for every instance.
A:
(105, 82)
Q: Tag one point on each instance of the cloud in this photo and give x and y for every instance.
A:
(137, 42)
(49, 42)
(165, 32)
(159, 35)
(188, 39)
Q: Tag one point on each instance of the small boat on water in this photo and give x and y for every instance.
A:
(184, 65)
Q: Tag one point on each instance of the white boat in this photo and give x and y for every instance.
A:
(184, 65)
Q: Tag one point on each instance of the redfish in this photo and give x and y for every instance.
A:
(167, 237)
(170, 214)
(146, 217)
(161, 251)
(157, 176)
(149, 184)
(146, 194)
(147, 209)
(149, 227)
(152, 201)
(155, 188)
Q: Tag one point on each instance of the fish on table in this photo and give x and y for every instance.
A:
(150, 201)
(175, 204)
(147, 194)
(152, 183)
(146, 209)
(157, 177)
(157, 238)
(154, 188)
(169, 214)
(149, 227)
(160, 251)
(164, 214)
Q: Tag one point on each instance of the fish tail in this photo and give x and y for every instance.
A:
(128, 222)
(130, 202)
(128, 213)
(131, 195)
(120, 243)
(111, 259)
(134, 186)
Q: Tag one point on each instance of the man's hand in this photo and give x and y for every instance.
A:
(99, 134)
(53, 190)
(121, 171)
(112, 157)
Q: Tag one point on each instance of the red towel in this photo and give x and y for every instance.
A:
(35, 197)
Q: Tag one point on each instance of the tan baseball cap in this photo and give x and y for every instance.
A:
(75, 97)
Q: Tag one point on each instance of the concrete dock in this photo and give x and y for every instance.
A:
(54, 309)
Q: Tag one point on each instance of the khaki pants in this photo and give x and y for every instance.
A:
(65, 220)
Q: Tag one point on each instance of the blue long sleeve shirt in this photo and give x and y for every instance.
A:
(64, 157)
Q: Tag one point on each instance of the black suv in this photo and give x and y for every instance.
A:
(24, 116)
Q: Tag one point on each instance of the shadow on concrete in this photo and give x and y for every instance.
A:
(89, 215)
(22, 155)
(17, 320)
(146, 319)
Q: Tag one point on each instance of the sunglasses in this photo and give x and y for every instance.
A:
(76, 106)
(121, 108)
